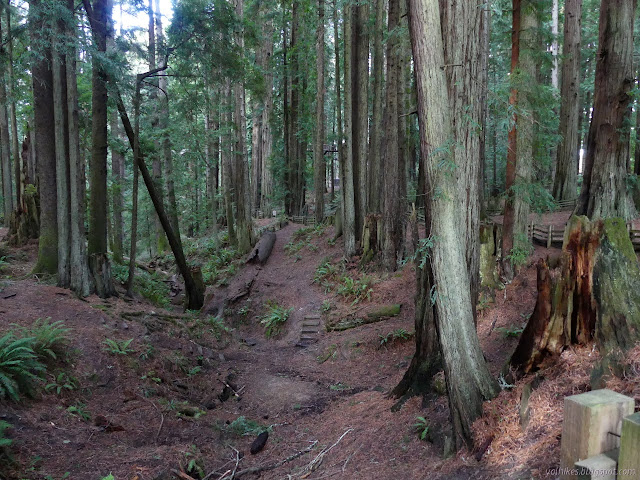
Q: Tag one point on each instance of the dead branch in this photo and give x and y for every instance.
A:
(270, 466)
(316, 462)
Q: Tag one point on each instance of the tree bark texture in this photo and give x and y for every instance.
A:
(393, 173)
(319, 166)
(469, 381)
(348, 180)
(604, 192)
(5, 146)
(565, 184)
(44, 143)
(463, 33)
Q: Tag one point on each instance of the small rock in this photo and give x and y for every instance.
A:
(124, 326)
(221, 357)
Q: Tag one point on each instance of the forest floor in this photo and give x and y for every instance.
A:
(191, 395)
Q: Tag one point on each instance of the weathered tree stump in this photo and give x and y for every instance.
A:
(24, 223)
(371, 237)
(198, 291)
(100, 269)
(593, 296)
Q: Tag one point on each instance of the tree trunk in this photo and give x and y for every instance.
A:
(163, 124)
(5, 146)
(319, 166)
(393, 214)
(97, 248)
(565, 185)
(44, 142)
(244, 225)
(512, 152)
(469, 381)
(604, 191)
(554, 42)
(460, 23)
(360, 110)
(525, 80)
(348, 179)
(134, 202)
(61, 131)
(377, 130)
(80, 279)
(227, 172)
(117, 198)
(595, 296)
(15, 148)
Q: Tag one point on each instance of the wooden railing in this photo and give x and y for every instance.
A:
(550, 235)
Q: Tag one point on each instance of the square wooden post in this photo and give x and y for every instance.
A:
(590, 419)
(629, 460)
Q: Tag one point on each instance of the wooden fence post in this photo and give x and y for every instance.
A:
(549, 236)
(629, 459)
(590, 427)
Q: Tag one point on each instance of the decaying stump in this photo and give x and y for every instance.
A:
(371, 237)
(199, 290)
(593, 296)
(490, 236)
(261, 252)
(100, 269)
(24, 221)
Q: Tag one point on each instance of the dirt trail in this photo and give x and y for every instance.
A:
(162, 403)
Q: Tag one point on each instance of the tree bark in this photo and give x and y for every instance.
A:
(319, 166)
(80, 279)
(117, 198)
(97, 246)
(393, 214)
(377, 130)
(5, 147)
(341, 147)
(15, 148)
(512, 149)
(469, 381)
(44, 142)
(565, 184)
(61, 131)
(348, 180)
(360, 110)
(163, 124)
(604, 192)
(466, 98)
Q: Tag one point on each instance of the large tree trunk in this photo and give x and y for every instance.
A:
(593, 296)
(319, 167)
(348, 180)
(5, 145)
(525, 80)
(466, 98)
(244, 229)
(604, 191)
(566, 180)
(511, 167)
(15, 144)
(227, 168)
(469, 381)
(44, 142)
(80, 279)
(61, 131)
(377, 130)
(97, 247)
(360, 110)
(393, 174)
(341, 155)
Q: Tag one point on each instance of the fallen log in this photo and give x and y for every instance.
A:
(374, 316)
(261, 252)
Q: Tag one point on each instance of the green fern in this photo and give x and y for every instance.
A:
(49, 338)
(118, 348)
(19, 366)
(4, 441)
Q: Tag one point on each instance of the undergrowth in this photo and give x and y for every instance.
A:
(274, 318)
(150, 286)
(333, 278)
(25, 353)
(302, 238)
